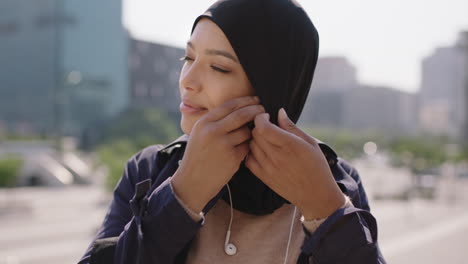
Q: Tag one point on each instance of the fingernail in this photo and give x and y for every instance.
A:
(256, 98)
(283, 113)
(266, 116)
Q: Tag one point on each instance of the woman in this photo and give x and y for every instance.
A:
(243, 184)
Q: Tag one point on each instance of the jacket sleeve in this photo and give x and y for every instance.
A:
(151, 225)
(348, 236)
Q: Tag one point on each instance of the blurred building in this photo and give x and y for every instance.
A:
(332, 78)
(324, 109)
(154, 75)
(338, 100)
(443, 90)
(95, 62)
(463, 45)
(27, 65)
(368, 108)
(334, 74)
(63, 64)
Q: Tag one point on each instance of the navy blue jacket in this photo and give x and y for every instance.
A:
(151, 226)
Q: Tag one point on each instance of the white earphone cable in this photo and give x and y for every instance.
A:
(229, 248)
(290, 235)
(232, 210)
(228, 233)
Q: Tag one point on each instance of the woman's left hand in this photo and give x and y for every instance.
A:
(292, 164)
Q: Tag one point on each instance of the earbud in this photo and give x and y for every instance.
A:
(229, 248)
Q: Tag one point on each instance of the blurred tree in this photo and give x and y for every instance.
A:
(347, 144)
(130, 132)
(143, 127)
(464, 155)
(9, 170)
(419, 153)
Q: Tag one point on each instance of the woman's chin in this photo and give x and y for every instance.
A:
(186, 126)
(188, 121)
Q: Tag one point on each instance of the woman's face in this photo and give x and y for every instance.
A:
(210, 75)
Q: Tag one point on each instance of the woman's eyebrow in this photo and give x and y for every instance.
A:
(221, 53)
(216, 52)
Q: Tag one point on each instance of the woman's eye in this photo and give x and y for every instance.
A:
(186, 58)
(219, 69)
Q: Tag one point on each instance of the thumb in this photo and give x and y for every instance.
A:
(287, 124)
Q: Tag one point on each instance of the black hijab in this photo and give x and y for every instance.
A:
(277, 46)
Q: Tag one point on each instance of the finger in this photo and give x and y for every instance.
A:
(258, 153)
(230, 106)
(239, 136)
(274, 154)
(262, 143)
(270, 132)
(253, 164)
(241, 150)
(287, 124)
(240, 117)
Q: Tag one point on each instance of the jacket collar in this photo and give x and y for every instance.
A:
(346, 183)
(330, 154)
(180, 141)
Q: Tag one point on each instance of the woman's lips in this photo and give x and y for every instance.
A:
(188, 109)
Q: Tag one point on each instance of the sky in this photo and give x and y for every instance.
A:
(385, 39)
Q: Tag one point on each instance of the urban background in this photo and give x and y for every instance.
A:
(80, 94)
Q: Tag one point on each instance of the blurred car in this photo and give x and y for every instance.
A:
(425, 186)
(45, 169)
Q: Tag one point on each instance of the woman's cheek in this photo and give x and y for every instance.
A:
(217, 94)
(224, 87)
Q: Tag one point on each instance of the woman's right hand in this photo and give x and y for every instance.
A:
(217, 144)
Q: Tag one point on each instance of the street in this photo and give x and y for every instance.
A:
(55, 225)
(49, 225)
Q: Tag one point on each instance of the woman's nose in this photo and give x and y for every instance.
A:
(190, 77)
